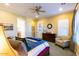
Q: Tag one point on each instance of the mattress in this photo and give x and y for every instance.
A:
(37, 46)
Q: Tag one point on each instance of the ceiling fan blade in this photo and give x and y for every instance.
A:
(36, 7)
(39, 7)
(37, 13)
(31, 8)
(33, 11)
(42, 11)
(37, 10)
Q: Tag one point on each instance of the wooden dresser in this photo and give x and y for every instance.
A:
(49, 37)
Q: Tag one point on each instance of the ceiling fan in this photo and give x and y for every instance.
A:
(37, 10)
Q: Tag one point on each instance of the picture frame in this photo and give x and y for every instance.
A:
(8, 26)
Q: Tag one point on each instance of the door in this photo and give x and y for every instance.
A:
(39, 29)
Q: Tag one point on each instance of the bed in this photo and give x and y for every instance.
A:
(37, 47)
(22, 47)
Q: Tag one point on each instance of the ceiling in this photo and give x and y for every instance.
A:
(23, 9)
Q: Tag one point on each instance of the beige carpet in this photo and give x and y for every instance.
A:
(58, 51)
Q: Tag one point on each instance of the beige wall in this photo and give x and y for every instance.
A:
(54, 21)
(7, 17)
(11, 18)
(64, 16)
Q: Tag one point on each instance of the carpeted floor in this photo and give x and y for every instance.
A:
(58, 51)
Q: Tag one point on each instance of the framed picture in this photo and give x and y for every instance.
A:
(8, 26)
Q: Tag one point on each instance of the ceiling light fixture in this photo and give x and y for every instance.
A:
(6, 3)
(60, 9)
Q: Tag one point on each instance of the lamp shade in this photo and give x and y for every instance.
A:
(5, 47)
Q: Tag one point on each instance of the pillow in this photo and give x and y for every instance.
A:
(22, 49)
(19, 47)
(14, 43)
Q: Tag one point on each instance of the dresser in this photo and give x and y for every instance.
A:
(49, 37)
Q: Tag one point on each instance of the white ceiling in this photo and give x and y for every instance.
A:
(23, 9)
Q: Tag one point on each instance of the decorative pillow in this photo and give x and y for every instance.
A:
(22, 50)
(19, 47)
(14, 43)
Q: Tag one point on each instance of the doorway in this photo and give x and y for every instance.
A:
(21, 27)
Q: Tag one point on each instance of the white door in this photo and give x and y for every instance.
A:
(28, 28)
(39, 29)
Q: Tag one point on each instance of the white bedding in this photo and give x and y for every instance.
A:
(38, 49)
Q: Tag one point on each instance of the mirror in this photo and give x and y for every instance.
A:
(49, 26)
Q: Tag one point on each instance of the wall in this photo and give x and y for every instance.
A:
(54, 19)
(7, 17)
(11, 18)
(69, 16)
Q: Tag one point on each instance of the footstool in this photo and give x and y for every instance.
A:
(62, 43)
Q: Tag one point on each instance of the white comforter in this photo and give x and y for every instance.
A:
(38, 49)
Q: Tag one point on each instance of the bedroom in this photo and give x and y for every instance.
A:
(22, 20)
